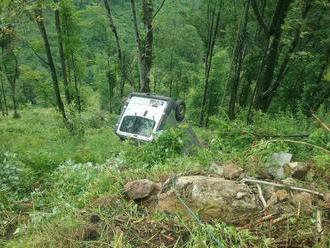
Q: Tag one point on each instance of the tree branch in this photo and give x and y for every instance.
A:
(159, 8)
(259, 17)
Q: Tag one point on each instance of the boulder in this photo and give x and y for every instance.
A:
(231, 171)
(209, 196)
(140, 189)
(296, 170)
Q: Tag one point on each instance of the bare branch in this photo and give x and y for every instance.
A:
(159, 8)
(36, 53)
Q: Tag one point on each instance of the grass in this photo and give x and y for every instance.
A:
(53, 182)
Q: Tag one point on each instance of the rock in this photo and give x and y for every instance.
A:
(296, 170)
(140, 189)
(216, 168)
(281, 158)
(268, 192)
(289, 181)
(278, 196)
(326, 197)
(303, 199)
(231, 171)
(240, 195)
(211, 197)
(282, 195)
(278, 160)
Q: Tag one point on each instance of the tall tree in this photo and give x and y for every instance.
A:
(3, 101)
(273, 34)
(58, 26)
(38, 17)
(237, 59)
(144, 46)
(108, 6)
(284, 66)
(10, 62)
(213, 17)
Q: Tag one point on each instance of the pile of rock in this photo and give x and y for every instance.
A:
(228, 193)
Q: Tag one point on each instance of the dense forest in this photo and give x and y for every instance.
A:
(255, 79)
(218, 56)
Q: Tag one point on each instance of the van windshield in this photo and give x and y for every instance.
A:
(137, 125)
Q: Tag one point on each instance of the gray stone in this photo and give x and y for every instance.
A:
(211, 197)
(140, 189)
(296, 170)
(281, 158)
(216, 168)
(277, 163)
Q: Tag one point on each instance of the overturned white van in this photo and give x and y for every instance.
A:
(144, 115)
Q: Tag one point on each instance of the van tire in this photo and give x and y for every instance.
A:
(180, 111)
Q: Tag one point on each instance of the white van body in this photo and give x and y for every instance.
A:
(141, 117)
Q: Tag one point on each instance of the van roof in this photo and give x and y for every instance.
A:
(153, 96)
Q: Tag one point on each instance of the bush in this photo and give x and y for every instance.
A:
(168, 145)
(15, 180)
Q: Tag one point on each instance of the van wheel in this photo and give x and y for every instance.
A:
(180, 111)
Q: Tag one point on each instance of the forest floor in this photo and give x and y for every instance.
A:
(67, 190)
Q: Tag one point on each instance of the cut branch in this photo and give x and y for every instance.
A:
(261, 197)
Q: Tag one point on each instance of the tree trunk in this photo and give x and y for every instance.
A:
(212, 34)
(76, 83)
(111, 84)
(107, 4)
(13, 88)
(2, 107)
(237, 60)
(10, 68)
(62, 54)
(140, 48)
(284, 67)
(40, 22)
(321, 91)
(5, 106)
(148, 46)
(274, 37)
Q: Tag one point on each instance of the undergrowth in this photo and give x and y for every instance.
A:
(52, 181)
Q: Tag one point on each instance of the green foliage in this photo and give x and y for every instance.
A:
(15, 181)
(168, 145)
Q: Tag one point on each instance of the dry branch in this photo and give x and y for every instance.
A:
(319, 221)
(282, 186)
(261, 197)
(321, 122)
(283, 217)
